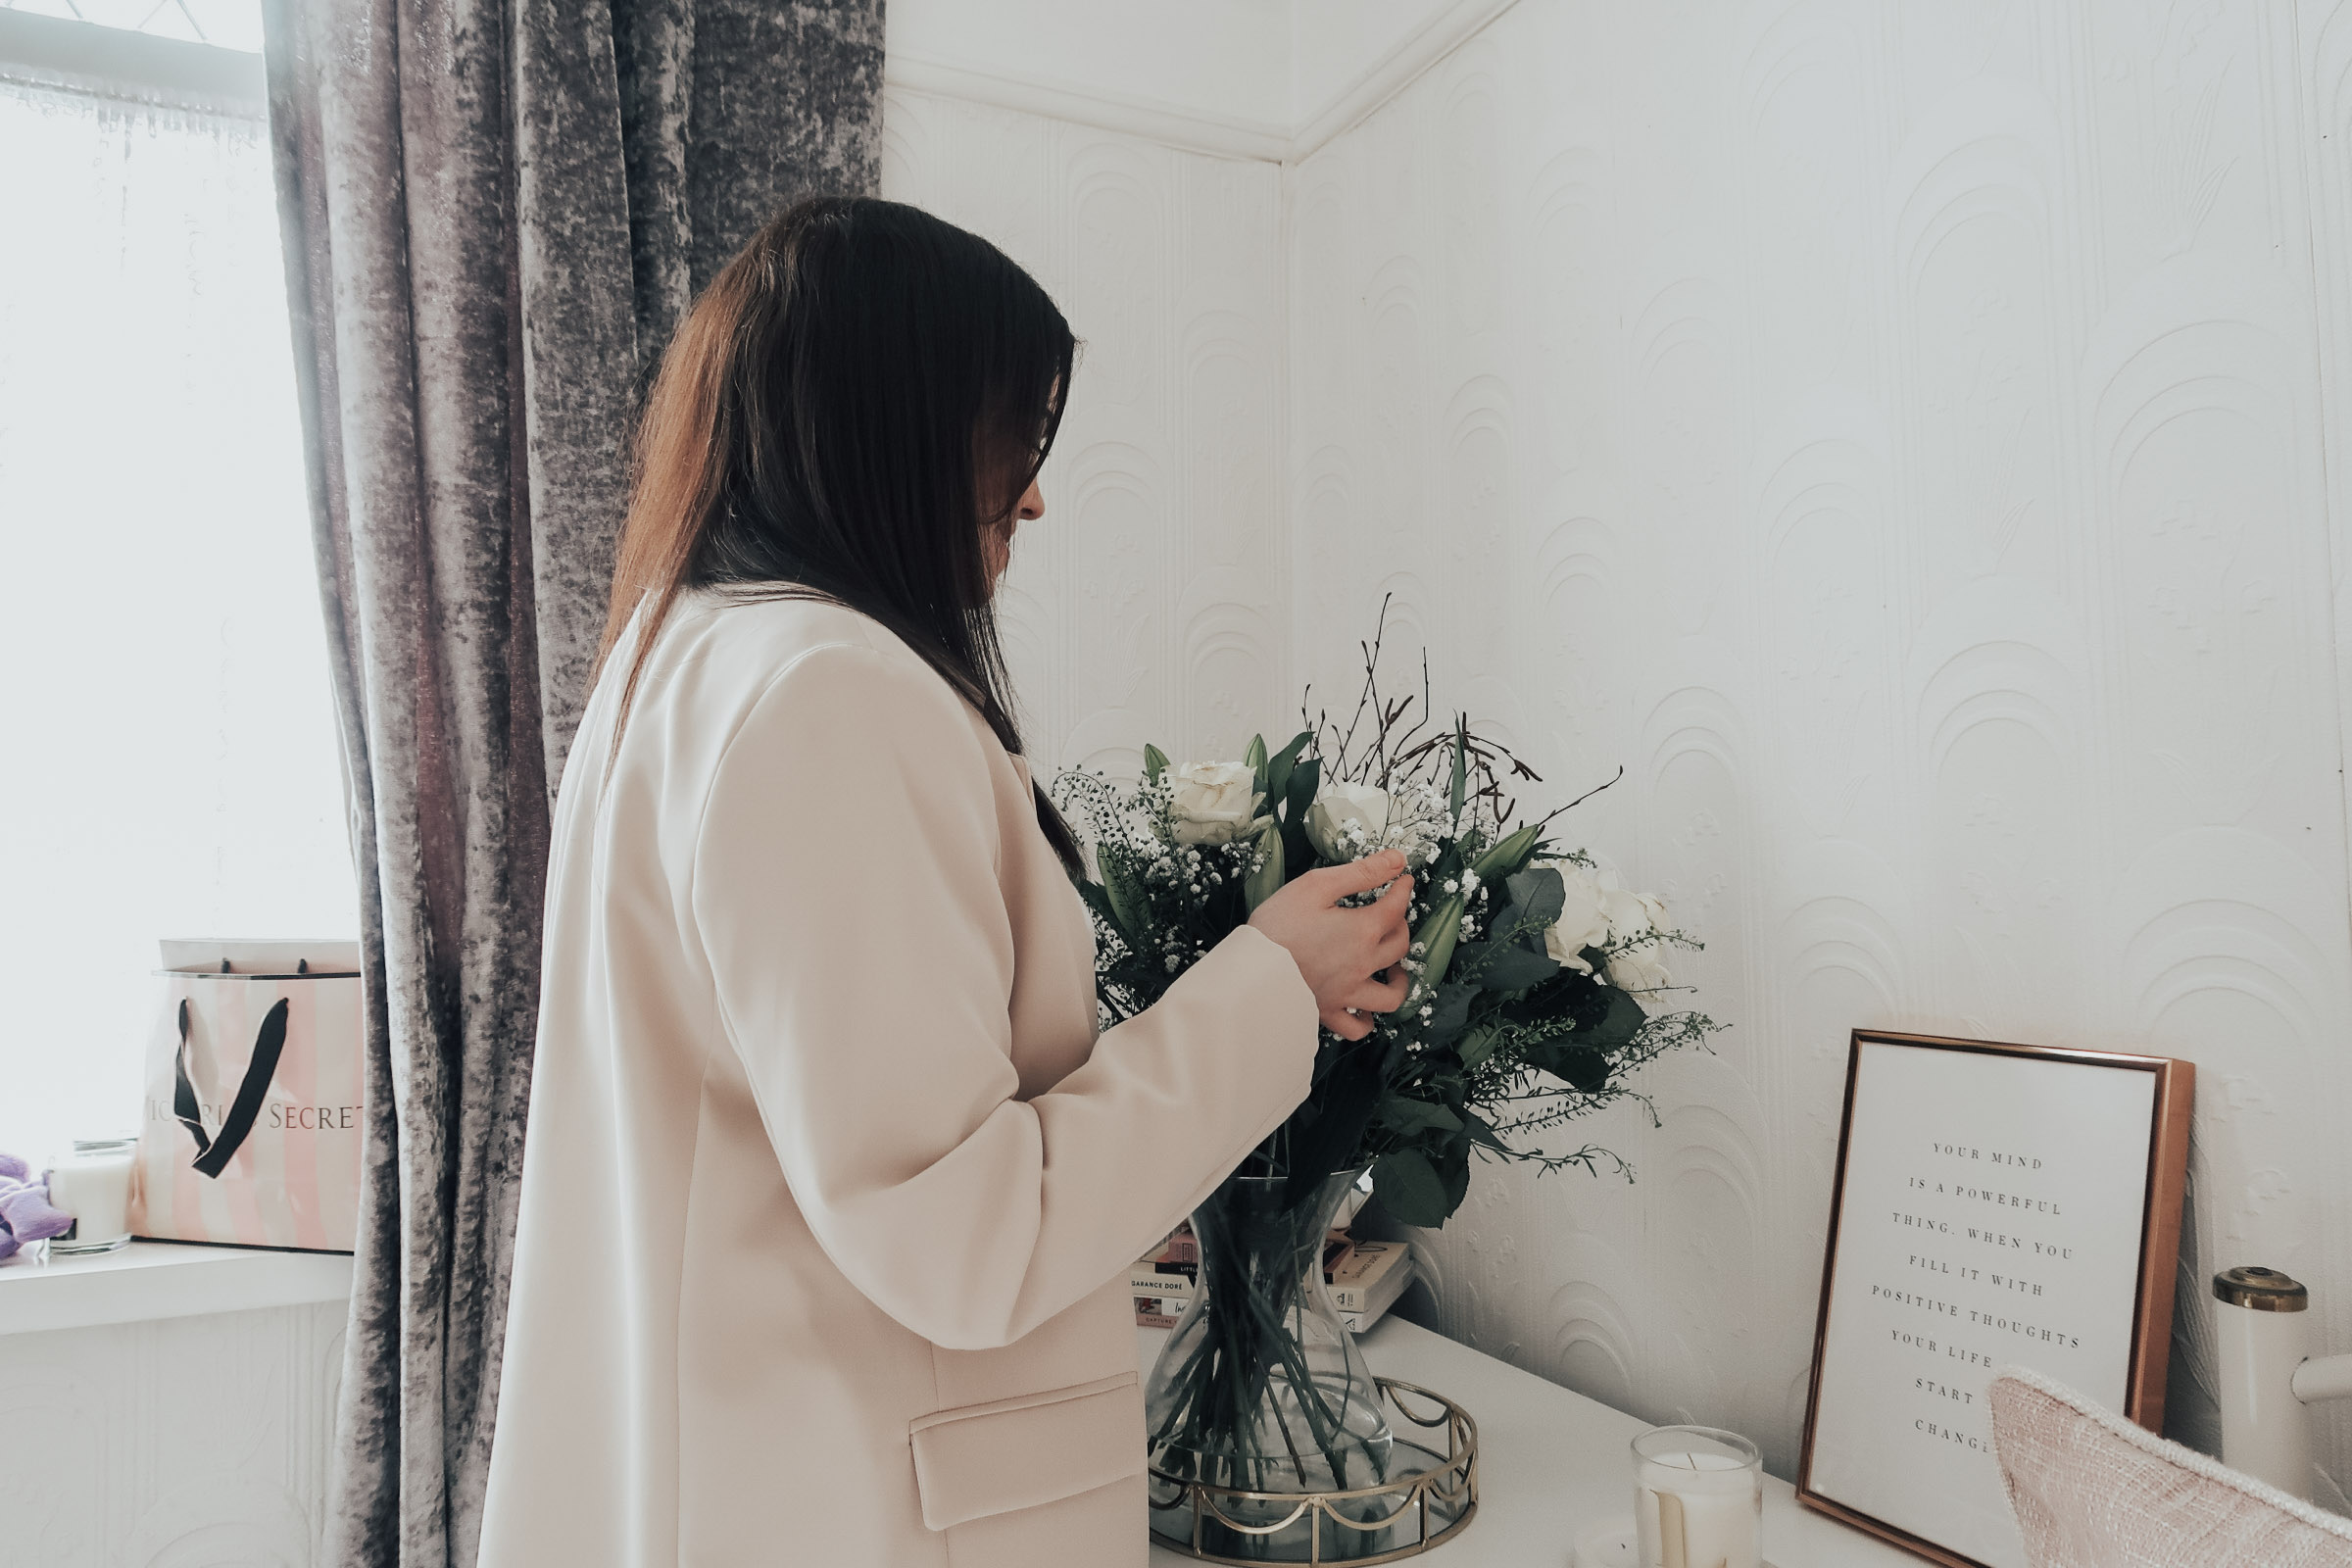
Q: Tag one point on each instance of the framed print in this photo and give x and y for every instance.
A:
(1993, 1204)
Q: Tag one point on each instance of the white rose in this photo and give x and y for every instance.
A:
(1213, 802)
(1631, 914)
(1348, 821)
(1638, 969)
(1583, 920)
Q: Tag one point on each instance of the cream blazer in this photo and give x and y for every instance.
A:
(830, 1188)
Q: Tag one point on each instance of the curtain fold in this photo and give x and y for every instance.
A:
(495, 212)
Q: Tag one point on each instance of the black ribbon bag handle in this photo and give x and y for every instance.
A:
(213, 1155)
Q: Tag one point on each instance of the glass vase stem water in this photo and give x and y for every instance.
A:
(1261, 1387)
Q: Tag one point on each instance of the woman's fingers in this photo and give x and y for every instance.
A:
(1339, 950)
(1388, 927)
(1359, 876)
(1390, 931)
(1381, 996)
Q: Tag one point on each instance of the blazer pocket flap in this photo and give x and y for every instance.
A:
(1026, 1452)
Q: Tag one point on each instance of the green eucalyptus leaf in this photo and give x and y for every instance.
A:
(1406, 1115)
(1155, 763)
(1279, 768)
(1574, 1062)
(1408, 1187)
(1618, 1025)
(1478, 1044)
(1587, 1070)
(1537, 896)
(1483, 1131)
(1448, 1012)
(1508, 966)
(1453, 1173)
(1306, 778)
(1349, 1094)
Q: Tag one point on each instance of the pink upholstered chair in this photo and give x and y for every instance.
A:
(2093, 1490)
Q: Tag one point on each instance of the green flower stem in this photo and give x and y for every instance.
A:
(1505, 858)
(1255, 1276)
(1440, 930)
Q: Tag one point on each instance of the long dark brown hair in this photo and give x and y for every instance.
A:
(856, 397)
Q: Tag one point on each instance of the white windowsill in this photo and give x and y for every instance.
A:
(149, 1280)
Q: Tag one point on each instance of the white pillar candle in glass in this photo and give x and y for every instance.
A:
(1698, 1499)
(93, 1185)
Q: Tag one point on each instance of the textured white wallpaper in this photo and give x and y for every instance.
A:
(1913, 441)
(1152, 602)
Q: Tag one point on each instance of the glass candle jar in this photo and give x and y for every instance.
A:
(1698, 1499)
(93, 1185)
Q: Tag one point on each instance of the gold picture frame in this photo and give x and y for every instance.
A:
(2162, 1185)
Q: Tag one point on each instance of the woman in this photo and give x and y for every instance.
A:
(830, 1187)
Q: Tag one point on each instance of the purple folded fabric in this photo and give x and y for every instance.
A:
(25, 1212)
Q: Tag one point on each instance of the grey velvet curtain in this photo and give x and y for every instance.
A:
(495, 212)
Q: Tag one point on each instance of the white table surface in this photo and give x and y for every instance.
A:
(1553, 1465)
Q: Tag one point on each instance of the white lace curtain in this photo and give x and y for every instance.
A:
(171, 765)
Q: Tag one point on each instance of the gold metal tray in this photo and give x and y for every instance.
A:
(1429, 1499)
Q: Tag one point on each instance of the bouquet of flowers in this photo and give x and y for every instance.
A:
(1538, 980)
(1537, 983)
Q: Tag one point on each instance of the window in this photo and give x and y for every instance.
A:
(228, 24)
(171, 767)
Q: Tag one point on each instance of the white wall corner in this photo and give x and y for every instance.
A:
(1184, 127)
(1441, 33)
(1097, 75)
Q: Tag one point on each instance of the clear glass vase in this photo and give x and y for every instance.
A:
(1259, 1386)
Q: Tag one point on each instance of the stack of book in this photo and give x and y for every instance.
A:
(1365, 1278)
(1163, 1279)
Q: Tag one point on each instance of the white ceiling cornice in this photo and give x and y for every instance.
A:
(1440, 36)
(1176, 124)
(1225, 135)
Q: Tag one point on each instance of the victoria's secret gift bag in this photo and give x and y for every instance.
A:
(252, 1127)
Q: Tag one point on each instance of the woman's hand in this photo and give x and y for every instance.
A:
(1344, 952)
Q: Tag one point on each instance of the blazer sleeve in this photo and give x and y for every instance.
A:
(845, 893)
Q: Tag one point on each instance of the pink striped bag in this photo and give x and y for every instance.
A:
(253, 1121)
